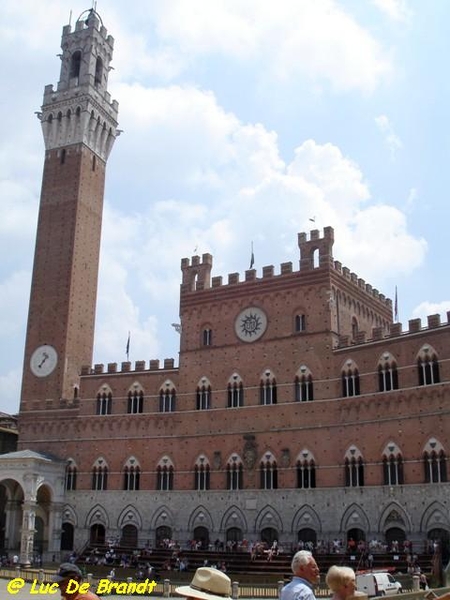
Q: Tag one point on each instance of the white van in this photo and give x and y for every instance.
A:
(378, 584)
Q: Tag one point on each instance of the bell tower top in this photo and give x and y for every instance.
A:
(80, 110)
(87, 53)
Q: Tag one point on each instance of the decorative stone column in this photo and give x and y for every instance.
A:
(28, 531)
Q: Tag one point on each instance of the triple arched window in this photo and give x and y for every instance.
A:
(235, 477)
(387, 373)
(434, 462)
(100, 475)
(354, 468)
(350, 380)
(306, 470)
(428, 366)
(268, 389)
(268, 472)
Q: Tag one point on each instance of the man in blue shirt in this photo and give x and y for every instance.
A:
(306, 575)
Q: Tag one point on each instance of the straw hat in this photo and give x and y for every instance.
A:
(208, 584)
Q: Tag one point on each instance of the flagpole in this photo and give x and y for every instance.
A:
(128, 347)
(396, 306)
(252, 257)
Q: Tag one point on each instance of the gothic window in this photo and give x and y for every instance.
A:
(268, 472)
(354, 328)
(268, 389)
(235, 391)
(207, 337)
(300, 323)
(303, 385)
(235, 473)
(392, 465)
(135, 401)
(387, 373)
(434, 462)
(428, 366)
(306, 470)
(201, 474)
(164, 475)
(71, 476)
(203, 395)
(100, 475)
(94, 163)
(131, 475)
(75, 64)
(98, 71)
(167, 398)
(350, 380)
(354, 468)
(104, 402)
(62, 157)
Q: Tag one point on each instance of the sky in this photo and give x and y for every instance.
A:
(243, 121)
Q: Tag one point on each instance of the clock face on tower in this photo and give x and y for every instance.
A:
(43, 360)
(250, 324)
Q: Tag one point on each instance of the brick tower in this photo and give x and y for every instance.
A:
(79, 124)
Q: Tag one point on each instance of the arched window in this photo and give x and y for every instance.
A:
(303, 385)
(300, 323)
(75, 64)
(201, 474)
(104, 401)
(434, 462)
(354, 328)
(71, 476)
(135, 400)
(387, 373)
(392, 465)
(98, 71)
(207, 337)
(235, 472)
(235, 391)
(167, 398)
(268, 472)
(100, 475)
(306, 470)
(203, 395)
(428, 366)
(131, 475)
(268, 389)
(164, 475)
(350, 380)
(354, 468)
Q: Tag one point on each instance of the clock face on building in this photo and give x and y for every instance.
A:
(250, 324)
(43, 360)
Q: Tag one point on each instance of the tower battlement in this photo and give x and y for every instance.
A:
(395, 330)
(315, 253)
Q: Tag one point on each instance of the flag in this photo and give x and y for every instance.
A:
(396, 306)
(252, 258)
(128, 345)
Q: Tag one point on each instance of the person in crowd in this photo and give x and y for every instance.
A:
(341, 581)
(69, 572)
(306, 575)
(207, 584)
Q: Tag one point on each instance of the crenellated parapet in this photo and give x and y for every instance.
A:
(361, 284)
(395, 330)
(126, 367)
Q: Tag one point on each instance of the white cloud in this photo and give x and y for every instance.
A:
(424, 309)
(391, 139)
(397, 10)
(317, 39)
